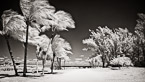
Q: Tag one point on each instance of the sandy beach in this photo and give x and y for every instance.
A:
(131, 74)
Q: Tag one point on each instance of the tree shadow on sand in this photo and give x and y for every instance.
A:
(29, 74)
(6, 75)
(53, 73)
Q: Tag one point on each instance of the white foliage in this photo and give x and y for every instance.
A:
(89, 42)
(123, 61)
(63, 20)
(60, 47)
(44, 48)
(43, 16)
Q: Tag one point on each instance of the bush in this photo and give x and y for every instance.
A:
(121, 61)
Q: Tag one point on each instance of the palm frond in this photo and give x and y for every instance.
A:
(41, 4)
(39, 13)
(42, 19)
(25, 6)
(14, 25)
(44, 48)
(30, 6)
(7, 15)
(60, 47)
(64, 21)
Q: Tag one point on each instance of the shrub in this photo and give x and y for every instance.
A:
(121, 61)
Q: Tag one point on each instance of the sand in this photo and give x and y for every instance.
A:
(131, 74)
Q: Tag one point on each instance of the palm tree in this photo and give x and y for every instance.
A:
(10, 52)
(8, 17)
(61, 49)
(44, 52)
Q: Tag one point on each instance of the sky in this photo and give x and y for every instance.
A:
(87, 14)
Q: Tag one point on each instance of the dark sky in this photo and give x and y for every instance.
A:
(88, 14)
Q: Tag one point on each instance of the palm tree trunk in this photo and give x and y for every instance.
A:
(37, 66)
(52, 36)
(43, 63)
(60, 63)
(103, 60)
(52, 64)
(144, 54)
(57, 60)
(10, 52)
(64, 64)
(25, 55)
(107, 60)
(90, 64)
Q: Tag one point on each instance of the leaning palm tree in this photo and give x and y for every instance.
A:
(10, 52)
(44, 52)
(7, 17)
(61, 49)
(63, 21)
